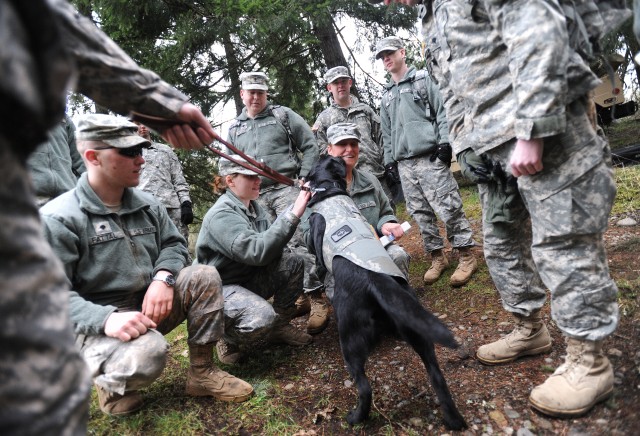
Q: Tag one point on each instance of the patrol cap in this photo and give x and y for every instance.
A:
(117, 132)
(341, 131)
(391, 43)
(254, 80)
(336, 73)
(226, 167)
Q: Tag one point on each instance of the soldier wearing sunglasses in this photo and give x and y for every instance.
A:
(127, 265)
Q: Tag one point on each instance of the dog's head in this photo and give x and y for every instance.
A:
(327, 178)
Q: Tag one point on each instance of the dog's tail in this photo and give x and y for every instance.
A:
(404, 309)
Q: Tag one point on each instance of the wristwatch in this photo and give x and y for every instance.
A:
(168, 280)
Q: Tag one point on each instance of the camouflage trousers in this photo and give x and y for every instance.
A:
(275, 201)
(430, 189)
(128, 366)
(45, 383)
(506, 230)
(248, 315)
(569, 202)
(400, 257)
(175, 215)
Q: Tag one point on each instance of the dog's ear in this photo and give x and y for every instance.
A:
(337, 167)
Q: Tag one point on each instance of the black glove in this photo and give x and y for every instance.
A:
(391, 174)
(444, 152)
(473, 168)
(186, 213)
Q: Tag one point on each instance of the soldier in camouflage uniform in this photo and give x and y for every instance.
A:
(415, 135)
(543, 137)
(238, 238)
(46, 384)
(282, 139)
(56, 165)
(162, 177)
(347, 108)
(128, 266)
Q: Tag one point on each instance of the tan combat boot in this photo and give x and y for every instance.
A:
(204, 379)
(319, 315)
(284, 332)
(467, 265)
(583, 380)
(439, 263)
(228, 353)
(119, 405)
(529, 337)
(303, 306)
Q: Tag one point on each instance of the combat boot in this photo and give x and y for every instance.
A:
(284, 332)
(115, 404)
(439, 263)
(529, 337)
(467, 265)
(303, 305)
(204, 379)
(583, 380)
(319, 315)
(228, 353)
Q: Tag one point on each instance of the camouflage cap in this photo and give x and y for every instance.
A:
(336, 73)
(341, 131)
(254, 80)
(226, 167)
(391, 43)
(114, 131)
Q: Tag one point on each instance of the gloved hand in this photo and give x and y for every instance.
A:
(473, 168)
(186, 213)
(444, 152)
(391, 174)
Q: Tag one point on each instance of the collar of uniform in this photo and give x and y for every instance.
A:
(89, 201)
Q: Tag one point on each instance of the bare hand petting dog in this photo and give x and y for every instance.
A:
(301, 203)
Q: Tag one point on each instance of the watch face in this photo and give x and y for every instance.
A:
(170, 280)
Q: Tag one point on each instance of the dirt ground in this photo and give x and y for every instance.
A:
(492, 399)
(313, 383)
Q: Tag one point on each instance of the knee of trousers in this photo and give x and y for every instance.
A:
(149, 355)
(199, 280)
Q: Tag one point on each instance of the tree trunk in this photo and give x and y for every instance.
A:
(232, 68)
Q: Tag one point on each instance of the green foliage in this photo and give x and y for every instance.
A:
(628, 184)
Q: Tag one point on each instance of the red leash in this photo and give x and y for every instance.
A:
(161, 124)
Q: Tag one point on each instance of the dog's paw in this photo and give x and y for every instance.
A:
(355, 417)
(455, 423)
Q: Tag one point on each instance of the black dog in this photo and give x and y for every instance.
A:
(370, 304)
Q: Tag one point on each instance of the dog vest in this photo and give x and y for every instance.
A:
(349, 235)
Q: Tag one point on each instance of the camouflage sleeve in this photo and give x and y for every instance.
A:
(435, 99)
(535, 34)
(178, 181)
(305, 141)
(320, 130)
(108, 75)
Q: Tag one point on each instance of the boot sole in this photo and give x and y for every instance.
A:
(535, 351)
(198, 392)
(558, 413)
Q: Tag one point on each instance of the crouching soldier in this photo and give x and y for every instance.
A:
(126, 262)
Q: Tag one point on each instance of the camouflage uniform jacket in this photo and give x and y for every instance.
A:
(411, 127)
(162, 176)
(237, 240)
(266, 139)
(110, 258)
(370, 199)
(56, 165)
(349, 235)
(505, 96)
(368, 122)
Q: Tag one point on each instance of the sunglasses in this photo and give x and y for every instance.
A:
(131, 152)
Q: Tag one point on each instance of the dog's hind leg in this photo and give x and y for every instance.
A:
(452, 417)
(356, 340)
